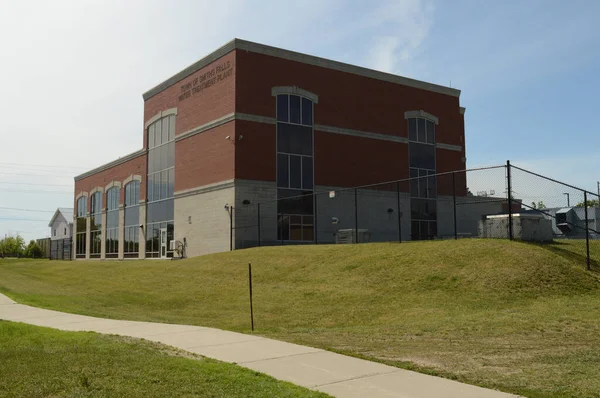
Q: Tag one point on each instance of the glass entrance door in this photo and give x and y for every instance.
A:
(163, 243)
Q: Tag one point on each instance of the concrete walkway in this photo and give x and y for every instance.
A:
(335, 374)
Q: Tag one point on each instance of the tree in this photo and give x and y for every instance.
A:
(538, 205)
(33, 250)
(590, 203)
(12, 246)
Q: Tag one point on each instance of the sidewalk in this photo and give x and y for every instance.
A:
(335, 374)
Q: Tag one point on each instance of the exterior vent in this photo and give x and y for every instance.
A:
(349, 236)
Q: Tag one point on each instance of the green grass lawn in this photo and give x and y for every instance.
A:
(41, 362)
(507, 315)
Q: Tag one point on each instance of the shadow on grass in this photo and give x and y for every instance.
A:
(566, 250)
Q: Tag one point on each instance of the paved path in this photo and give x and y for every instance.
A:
(335, 374)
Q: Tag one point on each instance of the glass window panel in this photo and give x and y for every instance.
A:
(295, 219)
(165, 129)
(421, 136)
(171, 154)
(414, 182)
(307, 173)
(414, 230)
(282, 171)
(412, 129)
(157, 133)
(423, 209)
(171, 183)
(301, 202)
(296, 172)
(308, 232)
(164, 184)
(150, 188)
(422, 156)
(151, 157)
(284, 228)
(294, 139)
(295, 232)
(430, 132)
(294, 109)
(431, 186)
(156, 190)
(307, 220)
(424, 229)
(282, 108)
(151, 136)
(171, 128)
(307, 112)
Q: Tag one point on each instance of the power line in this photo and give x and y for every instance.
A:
(35, 191)
(16, 209)
(44, 165)
(35, 184)
(38, 175)
(21, 219)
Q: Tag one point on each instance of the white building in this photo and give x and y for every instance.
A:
(60, 226)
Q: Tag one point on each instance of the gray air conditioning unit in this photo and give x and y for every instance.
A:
(349, 236)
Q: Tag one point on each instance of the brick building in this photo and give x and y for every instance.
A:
(251, 123)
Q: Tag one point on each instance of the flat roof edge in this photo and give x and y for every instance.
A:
(110, 164)
(238, 44)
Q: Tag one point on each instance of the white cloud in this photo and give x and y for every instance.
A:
(406, 26)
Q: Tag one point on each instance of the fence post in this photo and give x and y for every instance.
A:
(454, 202)
(315, 216)
(230, 228)
(355, 215)
(281, 228)
(250, 285)
(399, 214)
(510, 214)
(587, 230)
(258, 222)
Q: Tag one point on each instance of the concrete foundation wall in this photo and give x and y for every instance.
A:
(202, 220)
(246, 215)
(377, 212)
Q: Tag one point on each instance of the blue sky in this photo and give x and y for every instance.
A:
(73, 73)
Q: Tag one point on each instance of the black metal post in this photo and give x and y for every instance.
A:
(250, 285)
(231, 228)
(510, 214)
(315, 217)
(399, 214)
(258, 222)
(454, 202)
(281, 228)
(587, 230)
(355, 215)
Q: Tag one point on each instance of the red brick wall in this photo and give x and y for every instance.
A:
(255, 155)
(348, 101)
(117, 173)
(205, 158)
(204, 106)
(345, 100)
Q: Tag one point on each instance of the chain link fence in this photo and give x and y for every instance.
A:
(493, 202)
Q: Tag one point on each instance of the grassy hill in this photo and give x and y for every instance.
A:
(513, 316)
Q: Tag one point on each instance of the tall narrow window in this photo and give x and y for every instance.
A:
(161, 176)
(132, 218)
(96, 225)
(423, 183)
(112, 222)
(295, 177)
(81, 227)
